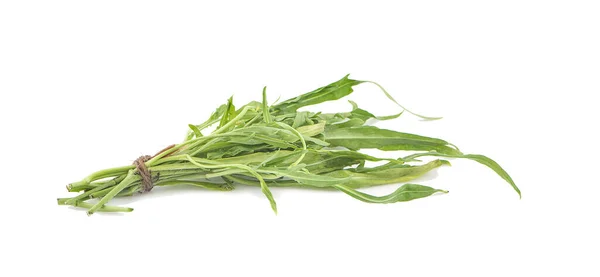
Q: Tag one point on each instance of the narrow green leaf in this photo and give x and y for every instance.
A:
(265, 107)
(333, 91)
(255, 139)
(388, 165)
(385, 175)
(300, 137)
(300, 119)
(312, 130)
(303, 177)
(317, 161)
(318, 143)
(201, 184)
(333, 118)
(478, 158)
(365, 115)
(270, 183)
(372, 137)
(196, 130)
(256, 159)
(328, 161)
(406, 192)
(236, 150)
(264, 188)
(351, 122)
(214, 118)
(394, 100)
(229, 112)
(270, 130)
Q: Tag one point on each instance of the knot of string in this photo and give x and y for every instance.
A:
(142, 170)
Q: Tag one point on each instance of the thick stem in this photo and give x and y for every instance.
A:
(90, 192)
(105, 173)
(131, 177)
(109, 209)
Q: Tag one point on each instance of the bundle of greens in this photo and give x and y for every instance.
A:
(276, 145)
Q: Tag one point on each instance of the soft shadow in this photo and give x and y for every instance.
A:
(80, 209)
(160, 192)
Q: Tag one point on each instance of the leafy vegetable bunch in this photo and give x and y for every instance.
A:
(277, 145)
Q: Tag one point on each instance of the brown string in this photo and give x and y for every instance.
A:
(145, 174)
(142, 170)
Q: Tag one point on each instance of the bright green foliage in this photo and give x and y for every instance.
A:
(280, 146)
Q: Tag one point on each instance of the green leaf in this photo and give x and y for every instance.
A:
(303, 177)
(372, 137)
(318, 161)
(352, 122)
(324, 161)
(236, 150)
(318, 143)
(256, 159)
(333, 91)
(478, 158)
(388, 165)
(271, 183)
(214, 118)
(265, 107)
(201, 184)
(204, 165)
(301, 119)
(406, 192)
(332, 118)
(312, 130)
(228, 114)
(272, 130)
(385, 175)
(394, 100)
(255, 139)
(196, 130)
(365, 115)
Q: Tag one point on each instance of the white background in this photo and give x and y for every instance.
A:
(87, 85)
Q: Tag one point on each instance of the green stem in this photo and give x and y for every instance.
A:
(131, 177)
(202, 184)
(203, 147)
(232, 121)
(90, 192)
(105, 191)
(264, 188)
(105, 173)
(394, 100)
(109, 209)
(284, 183)
(301, 137)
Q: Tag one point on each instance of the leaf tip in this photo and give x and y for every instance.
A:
(446, 162)
(428, 118)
